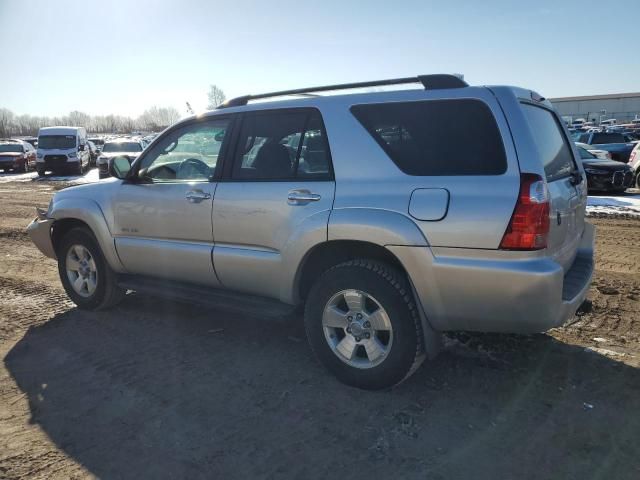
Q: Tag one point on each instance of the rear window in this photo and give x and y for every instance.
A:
(553, 146)
(608, 138)
(437, 137)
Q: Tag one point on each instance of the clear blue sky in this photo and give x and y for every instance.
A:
(123, 56)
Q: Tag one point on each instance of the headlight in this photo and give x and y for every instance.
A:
(39, 155)
(72, 155)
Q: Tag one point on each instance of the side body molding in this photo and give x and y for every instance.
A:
(89, 212)
(382, 227)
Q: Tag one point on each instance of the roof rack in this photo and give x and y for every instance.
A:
(430, 82)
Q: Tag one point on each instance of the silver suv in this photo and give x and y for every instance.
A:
(391, 216)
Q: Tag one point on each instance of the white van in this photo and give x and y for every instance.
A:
(62, 150)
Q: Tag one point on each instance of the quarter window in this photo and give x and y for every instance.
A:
(437, 137)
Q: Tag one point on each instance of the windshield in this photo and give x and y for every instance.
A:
(122, 147)
(607, 138)
(11, 147)
(57, 141)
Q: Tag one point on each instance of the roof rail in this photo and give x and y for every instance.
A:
(430, 82)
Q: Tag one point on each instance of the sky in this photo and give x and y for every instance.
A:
(123, 56)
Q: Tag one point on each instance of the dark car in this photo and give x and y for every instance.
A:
(605, 175)
(93, 153)
(98, 142)
(17, 155)
(615, 143)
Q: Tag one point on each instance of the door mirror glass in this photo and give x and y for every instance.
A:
(119, 167)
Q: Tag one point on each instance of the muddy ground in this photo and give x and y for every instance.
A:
(163, 390)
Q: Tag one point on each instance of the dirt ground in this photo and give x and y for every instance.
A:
(163, 390)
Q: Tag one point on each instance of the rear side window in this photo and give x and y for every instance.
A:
(437, 137)
(554, 150)
(282, 145)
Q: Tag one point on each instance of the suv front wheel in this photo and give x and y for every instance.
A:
(84, 272)
(363, 324)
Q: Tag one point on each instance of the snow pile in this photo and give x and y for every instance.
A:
(628, 204)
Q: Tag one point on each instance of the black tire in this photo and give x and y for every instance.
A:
(40, 171)
(391, 289)
(107, 293)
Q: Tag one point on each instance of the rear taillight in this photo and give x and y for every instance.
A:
(529, 225)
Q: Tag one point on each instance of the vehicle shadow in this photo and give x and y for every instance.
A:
(156, 389)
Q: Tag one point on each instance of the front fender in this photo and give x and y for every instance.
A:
(89, 212)
(382, 227)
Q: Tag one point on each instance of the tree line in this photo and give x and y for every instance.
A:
(153, 119)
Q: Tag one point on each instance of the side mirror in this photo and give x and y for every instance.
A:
(81, 148)
(119, 167)
(219, 136)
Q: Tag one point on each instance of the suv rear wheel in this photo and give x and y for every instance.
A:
(85, 274)
(363, 325)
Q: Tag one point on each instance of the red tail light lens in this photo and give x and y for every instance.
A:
(529, 225)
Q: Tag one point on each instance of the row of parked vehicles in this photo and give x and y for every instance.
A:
(65, 150)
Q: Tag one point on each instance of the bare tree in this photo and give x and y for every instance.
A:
(216, 97)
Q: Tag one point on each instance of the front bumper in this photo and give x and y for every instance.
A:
(610, 180)
(40, 232)
(498, 294)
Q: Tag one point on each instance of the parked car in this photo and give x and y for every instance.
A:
(93, 153)
(605, 175)
(377, 226)
(614, 143)
(62, 150)
(603, 154)
(17, 155)
(127, 147)
(98, 142)
(634, 163)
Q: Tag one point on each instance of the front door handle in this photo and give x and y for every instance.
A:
(301, 197)
(196, 196)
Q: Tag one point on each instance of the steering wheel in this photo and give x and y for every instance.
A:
(189, 166)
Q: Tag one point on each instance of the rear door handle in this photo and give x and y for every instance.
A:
(196, 196)
(301, 197)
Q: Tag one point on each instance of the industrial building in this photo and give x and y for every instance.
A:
(624, 107)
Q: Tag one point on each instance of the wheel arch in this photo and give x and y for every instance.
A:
(333, 252)
(67, 214)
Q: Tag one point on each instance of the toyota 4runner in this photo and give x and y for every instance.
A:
(391, 216)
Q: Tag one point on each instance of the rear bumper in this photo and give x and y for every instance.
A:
(498, 294)
(40, 232)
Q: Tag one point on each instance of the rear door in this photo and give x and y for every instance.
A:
(279, 186)
(568, 201)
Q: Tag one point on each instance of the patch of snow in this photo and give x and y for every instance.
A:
(628, 204)
(89, 177)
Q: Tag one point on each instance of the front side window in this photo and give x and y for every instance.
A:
(547, 134)
(187, 154)
(437, 137)
(282, 145)
(57, 141)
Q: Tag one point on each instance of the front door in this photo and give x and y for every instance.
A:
(162, 221)
(278, 191)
